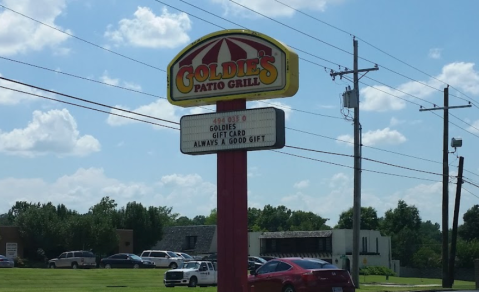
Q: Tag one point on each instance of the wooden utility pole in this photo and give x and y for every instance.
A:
(357, 162)
(452, 258)
(445, 187)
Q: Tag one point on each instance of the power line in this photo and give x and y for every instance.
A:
(84, 100)
(80, 39)
(469, 192)
(90, 108)
(368, 159)
(342, 165)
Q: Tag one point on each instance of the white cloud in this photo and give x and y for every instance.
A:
(460, 75)
(169, 30)
(159, 109)
(54, 132)
(377, 137)
(474, 128)
(188, 194)
(435, 53)
(282, 106)
(105, 78)
(19, 35)
(395, 122)
(272, 8)
(380, 99)
(302, 184)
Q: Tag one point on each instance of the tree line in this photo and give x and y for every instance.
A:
(48, 230)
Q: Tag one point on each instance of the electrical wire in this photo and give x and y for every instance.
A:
(90, 108)
(364, 158)
(362, 169)
(464, 189)
(84, 100)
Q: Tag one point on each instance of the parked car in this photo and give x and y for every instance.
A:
(211, 257)
(163, 258)
(300, 274)
(186, 257)
(125, 260)
(255, 262)
(193, 273)
(73, 259)
(268, 258)
(6, 262)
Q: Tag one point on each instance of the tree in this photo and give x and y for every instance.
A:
(402, 217)
(211, 219)
(470, 229)
(40, 228)
(104, 235)
(369, 219)
(253, 215)
(467, 252)
(274, 218)
(199, 220)
(167, 217)
(403, 225)
(305, 221)
(183, 221)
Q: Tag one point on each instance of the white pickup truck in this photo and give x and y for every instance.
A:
(192, 274)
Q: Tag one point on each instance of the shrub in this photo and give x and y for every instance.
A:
(376, 271)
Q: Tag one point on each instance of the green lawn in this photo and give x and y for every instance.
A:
(39, 280)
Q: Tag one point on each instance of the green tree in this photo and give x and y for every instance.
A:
(427, 257)
(467, 252)
(305, 221)
(183, 221)
(369, 219)
(253, 215)
(168, 218)
(403, 225)
(40, 228)
(104, 235)
(199, 220)
(274, 218)
(470, 229)
(211, 219)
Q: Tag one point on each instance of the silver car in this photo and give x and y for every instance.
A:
(6, 262)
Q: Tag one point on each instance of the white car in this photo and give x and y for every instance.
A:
(163, 258)
(192, 274)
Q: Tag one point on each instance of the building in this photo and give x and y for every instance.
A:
(334, 246)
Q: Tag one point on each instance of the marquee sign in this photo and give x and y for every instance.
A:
(253, 129)
(232, 64)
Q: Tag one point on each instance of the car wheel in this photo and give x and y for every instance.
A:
(288, 288)
(107, 266)
(52, 266)
(173, 266)
(74, 266)
(193, 282)
(136, 266)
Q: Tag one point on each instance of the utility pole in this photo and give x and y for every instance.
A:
(454, 221)
(445, 186)
(357, 159)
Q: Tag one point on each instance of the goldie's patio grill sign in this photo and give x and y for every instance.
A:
(232, 64)
(228, 65)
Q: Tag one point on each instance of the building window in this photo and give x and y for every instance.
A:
(377, 245)
(191, 242)
(365, 244)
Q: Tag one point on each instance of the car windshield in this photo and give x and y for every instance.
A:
(261, 260)
(312, 264)
(186, 256)
(191, 265)
(135, 257)
(172, 254)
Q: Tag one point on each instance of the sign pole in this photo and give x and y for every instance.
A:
(232, 212)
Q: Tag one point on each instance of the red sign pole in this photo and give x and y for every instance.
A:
(232, 213)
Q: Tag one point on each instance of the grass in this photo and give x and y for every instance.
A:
(105, 280)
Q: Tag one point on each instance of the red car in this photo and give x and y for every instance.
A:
(300, 275)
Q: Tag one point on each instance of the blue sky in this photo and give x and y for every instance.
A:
(56, 152)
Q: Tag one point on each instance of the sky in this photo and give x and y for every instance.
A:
(116, 53)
